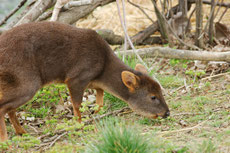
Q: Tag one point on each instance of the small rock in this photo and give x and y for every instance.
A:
(91, 98)
(183, 123)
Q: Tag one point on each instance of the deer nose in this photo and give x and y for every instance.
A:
(166, 114)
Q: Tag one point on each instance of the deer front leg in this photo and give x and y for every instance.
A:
(99, 99)
(14, 120)
(76, 89)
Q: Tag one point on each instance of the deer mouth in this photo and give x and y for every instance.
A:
(163, 115)
(155, 116)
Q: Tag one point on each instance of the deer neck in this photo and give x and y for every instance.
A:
(110, 80)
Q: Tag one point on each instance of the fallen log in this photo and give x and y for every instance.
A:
(110, 37)
(114, 39)
(142, 35)
(166, 52)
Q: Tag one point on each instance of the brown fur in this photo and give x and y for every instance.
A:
(35, 54)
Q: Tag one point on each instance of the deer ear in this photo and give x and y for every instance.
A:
(141, 68)
(130, 80)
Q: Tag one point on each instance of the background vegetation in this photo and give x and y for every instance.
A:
(197, 94)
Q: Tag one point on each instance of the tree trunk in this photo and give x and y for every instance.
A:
(199, 24)
(183, 4)
(161, 23)
(211, 32)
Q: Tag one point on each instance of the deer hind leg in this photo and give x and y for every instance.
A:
(3, 132)
(13, 100)
(14, 121)
(99, 99)
(9, 107)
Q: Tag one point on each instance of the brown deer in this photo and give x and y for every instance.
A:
(35, 54)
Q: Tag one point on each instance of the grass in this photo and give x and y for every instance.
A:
(199, 120)
(117, 138)
(113, 102)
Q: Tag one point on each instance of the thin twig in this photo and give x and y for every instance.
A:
(189, 19)
(185, 114)
(210, 16)
(219, 4)
(105, 115)
(33, 128)
(142, 10)
(184, 129)
(218, 9)
(171, 29)
(126, 35)
(223, 14)
(57, 139)
(132, 46)
(125, 38)
(13, 12)
(215, 76)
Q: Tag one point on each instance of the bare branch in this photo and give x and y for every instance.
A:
(223, 14)
(76, 3)
(18, 17)
(209, 3)
(142, 10)
(13, 12)
(74, 14)
(127, 36)
(172, 31)
(124, 18)
(45, 15)
(218, 10)
(57, 7)
(39, 7)
(189, 19)
(132, 46)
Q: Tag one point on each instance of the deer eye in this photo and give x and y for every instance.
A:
(153, 97)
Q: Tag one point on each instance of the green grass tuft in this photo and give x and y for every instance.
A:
(117, 138)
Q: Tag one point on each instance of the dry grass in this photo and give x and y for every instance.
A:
(106, 17)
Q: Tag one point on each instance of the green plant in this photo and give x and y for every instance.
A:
(114, 101)
(41, 112)
(117, 138)
(146, 121)
(26, 141)
(206, 147)
(171, 81)
(45, 98)
(182, 63)
(129, 60)
(5, 145)
(195, 73)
